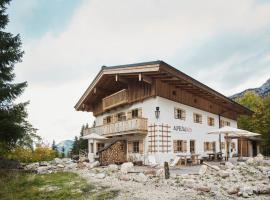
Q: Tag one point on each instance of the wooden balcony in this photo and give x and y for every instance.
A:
(131, 126)
(115, 99)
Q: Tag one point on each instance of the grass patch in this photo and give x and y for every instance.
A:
(61, 186)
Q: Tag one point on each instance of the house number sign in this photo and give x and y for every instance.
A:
(182, 129)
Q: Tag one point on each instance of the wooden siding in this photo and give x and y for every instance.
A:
(173, 93)
(137, 91)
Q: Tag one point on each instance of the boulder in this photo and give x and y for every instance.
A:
(189, 183)
(233, 190)
(229, 165)
(58, 161)
(216, 167)
(262, 189)
(259, 158)
(250, 161)
(100, 175)
(93, 165)
(42, 170)
(224, 174)
(151, 172)
(127, 167)
(43, 163)
(113, 168)
(160, 172)
(202, 170)
(124, 177)
(32, 166)
(245, 191)
(141, 178)
(60, 166)
(203, 188)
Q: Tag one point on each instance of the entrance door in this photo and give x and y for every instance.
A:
(254, 148)
(192, 146)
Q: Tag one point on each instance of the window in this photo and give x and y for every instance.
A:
(211, 121)
(210, 146)
(197, 118)
(121, 116)
(100, 146)
(174, 92)
(224, 123)
(135, 113)
(179, 114)
(136, 148)
(180, 146)
(107, 120)
(192, 146)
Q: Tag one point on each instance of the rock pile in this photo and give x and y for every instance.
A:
(56, 165)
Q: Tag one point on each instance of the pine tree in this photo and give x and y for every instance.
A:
(54, 147)
(14, 127)
(63, 152)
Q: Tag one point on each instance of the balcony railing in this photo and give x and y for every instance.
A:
(115, 99)
(136, 125)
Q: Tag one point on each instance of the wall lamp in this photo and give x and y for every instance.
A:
(157, 112)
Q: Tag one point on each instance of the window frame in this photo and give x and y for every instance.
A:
(135, 146)
(195, 115)
(180, 114)
(211, 121)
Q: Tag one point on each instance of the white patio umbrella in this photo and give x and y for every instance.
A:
(229, 132)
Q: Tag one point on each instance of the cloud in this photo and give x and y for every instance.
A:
(210, 40)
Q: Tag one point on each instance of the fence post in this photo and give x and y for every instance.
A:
(166, 170)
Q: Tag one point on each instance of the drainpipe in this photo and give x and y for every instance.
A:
(219, 136)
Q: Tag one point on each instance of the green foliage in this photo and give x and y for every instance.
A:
(27, 155)
(61, 185)
(14, 128)
(259, 122)
(79, 144)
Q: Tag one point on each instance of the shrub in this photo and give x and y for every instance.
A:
(27, 155)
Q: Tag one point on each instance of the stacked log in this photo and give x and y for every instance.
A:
(115, 153)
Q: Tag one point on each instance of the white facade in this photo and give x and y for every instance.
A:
(197, 131)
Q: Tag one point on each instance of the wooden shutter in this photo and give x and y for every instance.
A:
(205, 146)
(175, 146)
(129, 114)
(200, 119)
(175, 113)
(130, 147)
(185, 146)
(141, 146)
(214, 146)
(208, 121)
(183, 114)
(114, 118)
(140, 112)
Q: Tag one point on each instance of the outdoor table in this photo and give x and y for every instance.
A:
(212, 156)
(184, 158)
(195, 159)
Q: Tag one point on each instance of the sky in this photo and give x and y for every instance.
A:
(224, 44)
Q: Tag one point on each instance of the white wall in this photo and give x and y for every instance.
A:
(198, 133)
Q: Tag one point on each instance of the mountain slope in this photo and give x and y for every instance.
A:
(262, 91)
(67, 144)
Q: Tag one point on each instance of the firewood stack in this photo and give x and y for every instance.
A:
(114, 153)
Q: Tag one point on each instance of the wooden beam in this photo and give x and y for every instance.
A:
(145, 78)
(120, 79)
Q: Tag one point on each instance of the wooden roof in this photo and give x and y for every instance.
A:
(154, 70)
